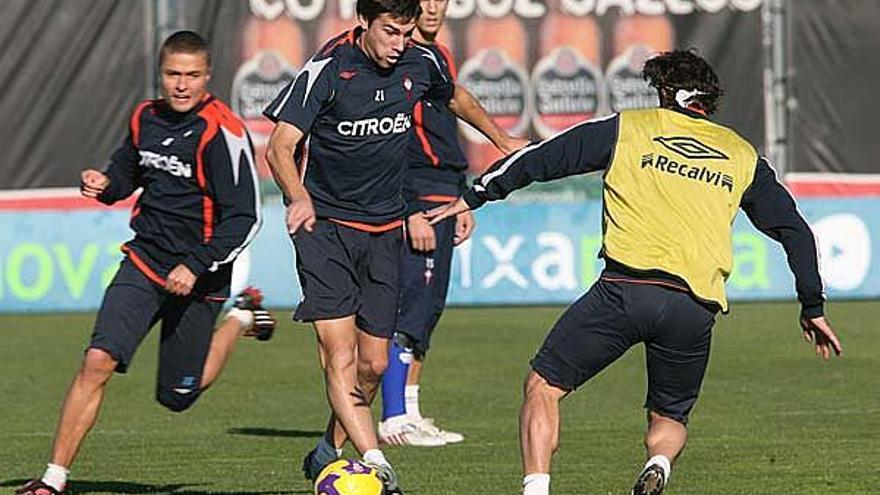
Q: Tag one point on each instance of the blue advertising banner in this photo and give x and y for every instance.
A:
(535, 253)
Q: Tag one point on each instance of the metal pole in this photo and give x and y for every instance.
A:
(150, 76)
(163, 17)
(776, 80)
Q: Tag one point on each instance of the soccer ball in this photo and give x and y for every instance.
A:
(348, 477)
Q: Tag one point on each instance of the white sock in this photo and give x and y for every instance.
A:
(245, 318)
(663, 462)
(536, 484)
(375, 456)
(55, 476)
(396, 422)
(411, 398)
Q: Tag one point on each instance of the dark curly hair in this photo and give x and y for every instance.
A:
(669, 72)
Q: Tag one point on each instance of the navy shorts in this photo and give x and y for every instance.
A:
(132, 304)
(345, 271)
(612, 317)
(424, 284)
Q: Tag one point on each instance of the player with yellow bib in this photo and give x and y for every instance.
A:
(674, 181)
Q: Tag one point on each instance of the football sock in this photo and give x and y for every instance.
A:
(375, 457)
(536, 484)
(663, 462)
(411, 397)
(394, 380)
(55, 476)
(396, 422)
(325, 452)
(245, 318)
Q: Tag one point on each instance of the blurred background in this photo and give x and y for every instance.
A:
(800, 83)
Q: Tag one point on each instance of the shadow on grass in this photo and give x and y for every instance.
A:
(123, 487)
(274, 432)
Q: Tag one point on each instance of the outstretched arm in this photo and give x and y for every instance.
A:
(466, 107)
(584, 148)
(772, 210)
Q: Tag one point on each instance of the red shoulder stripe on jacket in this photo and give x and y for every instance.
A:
(135, 122)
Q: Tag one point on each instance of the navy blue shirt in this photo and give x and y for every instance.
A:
(200, 204)
(356, 119)
(437, 164)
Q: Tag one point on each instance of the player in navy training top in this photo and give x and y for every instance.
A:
(346, 119)
(435, 175)
(199, 208)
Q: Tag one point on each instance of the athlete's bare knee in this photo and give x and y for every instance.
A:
(177, 400)
(97, 367)
(537, 389)
(371, 368)
(663, 429)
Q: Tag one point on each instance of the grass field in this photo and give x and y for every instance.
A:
(772, 418)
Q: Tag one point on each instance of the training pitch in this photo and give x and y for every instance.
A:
(772, 417)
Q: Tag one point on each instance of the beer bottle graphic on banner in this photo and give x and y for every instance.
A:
(566, 80)
(271, 52)
(636, 38)
(494, 72)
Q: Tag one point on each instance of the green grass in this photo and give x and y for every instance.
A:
(772, 418)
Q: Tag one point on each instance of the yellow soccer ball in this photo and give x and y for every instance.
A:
(348, 477)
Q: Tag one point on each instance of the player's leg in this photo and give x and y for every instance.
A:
(591, 334)
(350, 402)
(438, 289)
(326, 260)
(677, 353)
(247, 317)
(187, 331)
(416, 278)
(125, 317)
(379, 279)
(539, 431)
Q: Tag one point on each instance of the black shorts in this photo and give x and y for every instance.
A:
(133, 304)
(344, 271)
(612, 317)
(424, 285)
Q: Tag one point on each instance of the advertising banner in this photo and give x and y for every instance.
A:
(537, 65)
(520, 254)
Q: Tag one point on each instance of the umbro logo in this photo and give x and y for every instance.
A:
(167, 141)
(689, 147)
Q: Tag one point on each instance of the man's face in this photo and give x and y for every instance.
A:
(431, 20)
(185, 79)
(386, 37)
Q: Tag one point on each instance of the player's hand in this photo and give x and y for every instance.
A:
(93, 183)
(180, 281)
(452, 209)
(512, 143)
(464, 227)
(819, 332)
(420, 233)
(300, 214)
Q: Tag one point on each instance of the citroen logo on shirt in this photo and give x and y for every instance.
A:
(689, 147)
